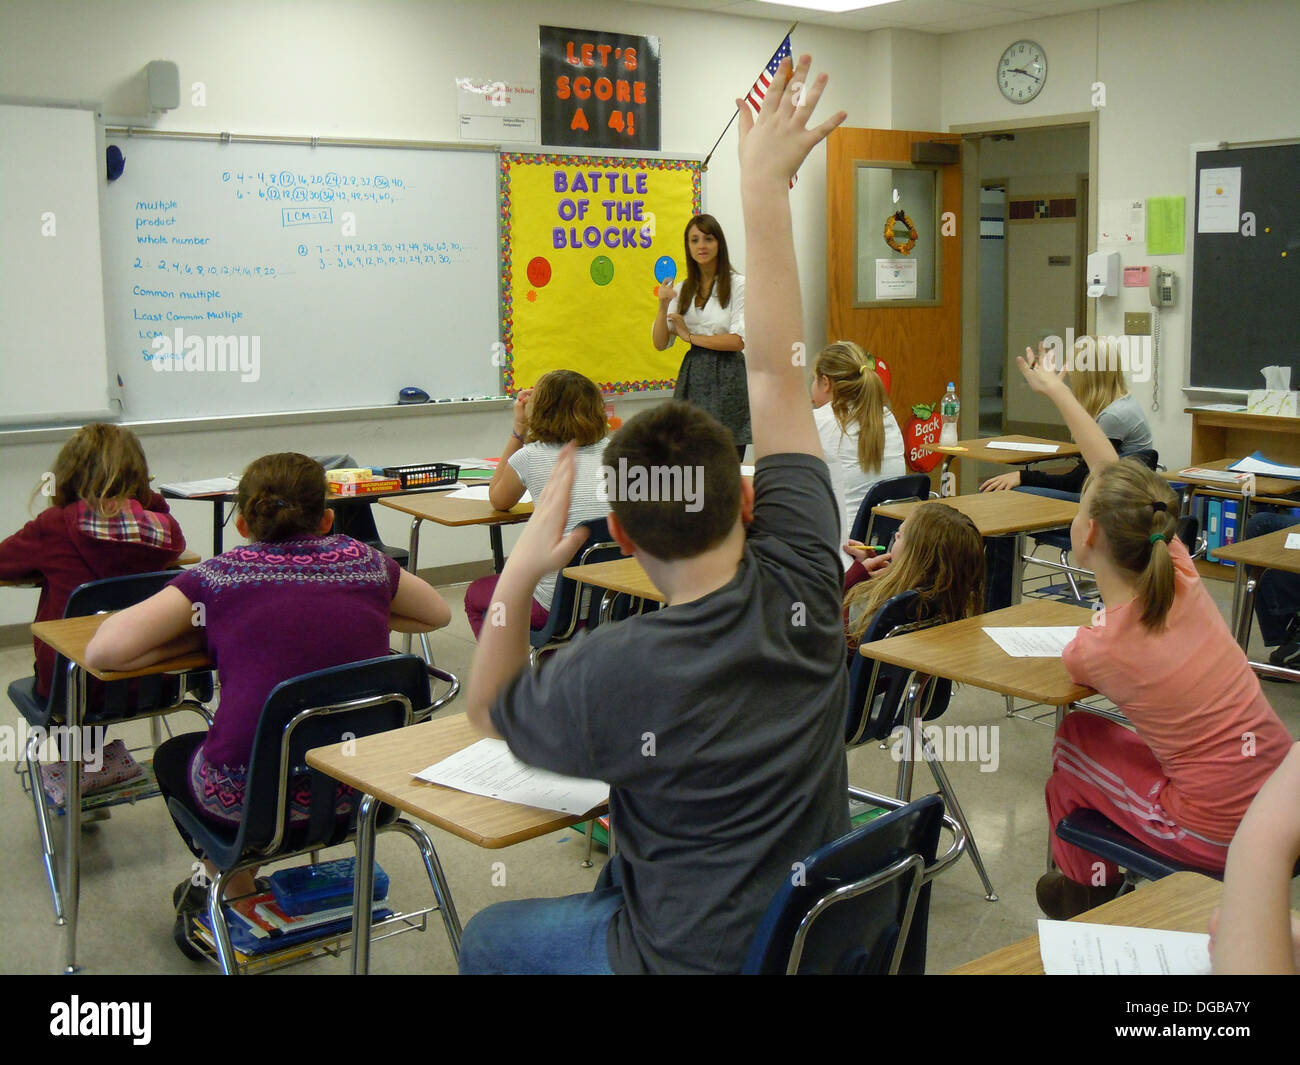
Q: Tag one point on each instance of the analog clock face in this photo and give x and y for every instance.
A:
(1022, 71)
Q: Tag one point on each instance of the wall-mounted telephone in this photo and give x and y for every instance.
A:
(1161, 287)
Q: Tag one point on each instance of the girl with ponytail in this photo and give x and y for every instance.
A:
(859, 434)
(1206, 738)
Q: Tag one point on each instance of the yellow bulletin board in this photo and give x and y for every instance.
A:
(581, 238)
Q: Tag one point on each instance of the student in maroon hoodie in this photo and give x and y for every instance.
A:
(103, 521)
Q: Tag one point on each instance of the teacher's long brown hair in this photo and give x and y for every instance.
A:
(707, 225)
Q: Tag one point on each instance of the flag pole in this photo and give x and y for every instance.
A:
(705, 165)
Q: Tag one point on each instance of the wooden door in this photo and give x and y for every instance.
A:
(921, 344)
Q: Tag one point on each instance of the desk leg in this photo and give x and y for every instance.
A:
(1061, 711)
(912, 725)
(1243, 600)
(72, 785)
(498, 552)
(218, 525)
(363, 884)
(412, 559)
(1018, 568)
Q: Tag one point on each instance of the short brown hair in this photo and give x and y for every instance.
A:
(282, 497)
(566, 406)
(104, 465)
(677, 436)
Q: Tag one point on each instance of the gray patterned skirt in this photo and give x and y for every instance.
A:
(716, 382)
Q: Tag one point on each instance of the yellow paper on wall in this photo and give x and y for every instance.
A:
(583, 238)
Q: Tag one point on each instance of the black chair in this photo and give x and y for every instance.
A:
(574, 606)
(1098, 835)
(858, 905)
(1059, 539)
(106, 704)
(889, 701)
(912, 486)
(354, 518)
(314, 710)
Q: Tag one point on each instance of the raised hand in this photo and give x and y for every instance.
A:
(543, 547)
(666, 292)
(774, 145)
(1040, 371)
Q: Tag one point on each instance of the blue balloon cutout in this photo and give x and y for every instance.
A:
(665, 269)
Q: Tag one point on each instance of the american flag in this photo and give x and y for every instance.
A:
(755, 95)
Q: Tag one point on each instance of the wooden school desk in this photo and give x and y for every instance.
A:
(69, 637)
(1252, 557)
(444, 510)
(1181, 902)
(620, 576)
(1001, 514)
(382, 768)
(963, 652)
(978, 450)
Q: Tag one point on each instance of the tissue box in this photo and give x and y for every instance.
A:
(1274, 401)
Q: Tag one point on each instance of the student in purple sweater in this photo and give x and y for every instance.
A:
(293, 601)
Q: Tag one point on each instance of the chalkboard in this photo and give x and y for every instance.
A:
(51, 289)
(250, 277)
(1246, 288)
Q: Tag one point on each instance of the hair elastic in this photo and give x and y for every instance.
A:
(1159, 505)
(1156, 536)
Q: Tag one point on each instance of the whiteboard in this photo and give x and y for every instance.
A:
(245, 278)
(53, 363)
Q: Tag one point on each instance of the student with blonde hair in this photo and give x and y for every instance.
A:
(1206, 739)
(1099, 386)
(859, 434)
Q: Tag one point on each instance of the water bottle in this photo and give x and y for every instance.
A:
(949, 408)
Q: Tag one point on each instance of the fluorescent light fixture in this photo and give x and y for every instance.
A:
(837, 7)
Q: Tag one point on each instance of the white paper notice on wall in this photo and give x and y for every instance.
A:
(492, 110)
(1219, 205)
(895, 279)
(1122, 222)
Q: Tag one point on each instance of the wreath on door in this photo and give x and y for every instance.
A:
(891, 230)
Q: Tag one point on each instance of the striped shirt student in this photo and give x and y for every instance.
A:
(563, 406)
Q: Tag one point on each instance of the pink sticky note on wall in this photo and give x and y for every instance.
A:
(1137, 277)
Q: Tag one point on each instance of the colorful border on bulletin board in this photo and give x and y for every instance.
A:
(584, 295)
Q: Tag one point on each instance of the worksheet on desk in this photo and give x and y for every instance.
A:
(488, 768)
(1042, 641)
(1071, 948)
(479, 492)
(1020, 445)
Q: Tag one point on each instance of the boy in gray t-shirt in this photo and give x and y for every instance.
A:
(718, 721)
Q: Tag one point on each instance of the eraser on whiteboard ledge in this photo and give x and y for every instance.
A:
(413, 395)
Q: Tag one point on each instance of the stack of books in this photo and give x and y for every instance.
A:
(305, 904)
(358, 482)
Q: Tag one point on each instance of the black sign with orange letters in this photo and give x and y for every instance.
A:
(599, 90)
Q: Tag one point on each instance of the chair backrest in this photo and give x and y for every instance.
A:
(876, 690)
(317, 710)
(1189, 531)
(566, 602)
(893, 490)
(858, 905)
(1149, 457)
(122, 698)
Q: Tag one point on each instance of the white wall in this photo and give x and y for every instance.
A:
(1176, 72)
(375, 68)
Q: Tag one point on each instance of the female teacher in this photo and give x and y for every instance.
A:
(710, 317)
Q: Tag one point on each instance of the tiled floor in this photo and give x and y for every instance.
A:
(131, 862)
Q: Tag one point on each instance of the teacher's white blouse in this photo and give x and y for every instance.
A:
(713, 319)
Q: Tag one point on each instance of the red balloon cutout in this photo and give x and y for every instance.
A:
(882, 371)
(539, 272)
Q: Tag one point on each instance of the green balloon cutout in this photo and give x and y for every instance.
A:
(602, 269)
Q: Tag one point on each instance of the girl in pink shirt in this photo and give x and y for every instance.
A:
(1206, 738)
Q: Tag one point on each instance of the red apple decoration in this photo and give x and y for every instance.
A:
(921, 433)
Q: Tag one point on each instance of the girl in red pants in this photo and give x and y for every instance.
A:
(1206, 737)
